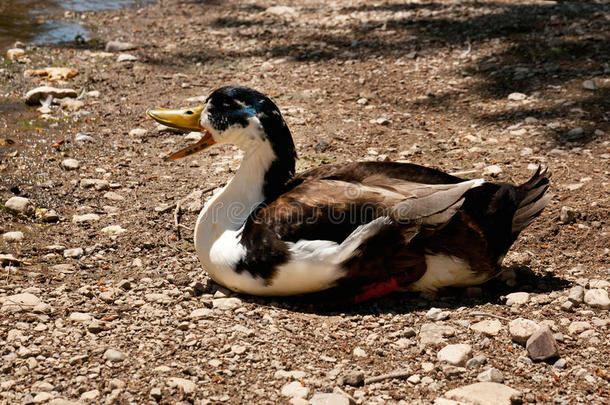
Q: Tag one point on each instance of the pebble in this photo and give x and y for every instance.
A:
(431, 334)
(329, 399)
(517, 96)
(359, 352)
(97, 184)
(293, 374)
(93, 94)
(155, 393)
(201, 313)
(111, 195)
(488, 327)
(71, 104)
(13, 236)
(138, 132)
(19, 205)
(575, 133)
(354, 378)
(80, 317)
(85, 218)
(490, 375)
(295, 389)
(578, 327)
(492, 170)
(484, 393)
(90, 395)
(187, 386)
(542, 345)
(83, 138)
(47, 215)
(597, 298)
(35, 96)
(114, 356)
(298, 401)
(126, 57)
(118, 46)
(282, 11)
(457, 354)
(20, 302)
(42, 397)
(70, 164)
(226, 304)
(74, 253)
(567, 214)
(521, 329)
(238, 349)
(560, 363)
(589, 85)
(517, 298)
(437, 314)
(576, 294)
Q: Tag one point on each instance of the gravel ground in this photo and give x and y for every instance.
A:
(102, 299)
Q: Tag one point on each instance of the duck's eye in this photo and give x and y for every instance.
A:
(189, 112)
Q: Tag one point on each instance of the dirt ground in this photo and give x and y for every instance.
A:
(488, 88)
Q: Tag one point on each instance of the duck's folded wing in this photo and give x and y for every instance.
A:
(333, 209)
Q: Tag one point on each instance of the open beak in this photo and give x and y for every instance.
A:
(185, 119)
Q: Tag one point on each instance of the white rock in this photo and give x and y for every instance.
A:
(85, 218)
(200, 313)
(491, 375)
(20, 205)
(282, 11)
(97, 184)
(80, 317)
(575, 132)
(74, 252)
(182, 383)
(437, 314)
(578, 327)
(113, 230)
(71, 104)
(111, 195)
(93, 94)
(431, 334)
(70, 164)
(19, 302)
(114, 356)
(295, 389)
(138, 132)
(483, 393)
(576, 294)
(227, 304)
(90, 395)
(126, 57)
(517, 96)
(329, 399)
(488, 327)
(521, 329)
(13, 236)
(359, 352)
(414, 379)
(517, 298)
(589, 85)
(118, 46)
(193, 136)
(83, 138)
(456, 355)
(35, 96)
(597, 298)
(42, 397)
(492, 170)
(293, 374)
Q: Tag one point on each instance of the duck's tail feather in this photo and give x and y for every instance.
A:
(535, 198)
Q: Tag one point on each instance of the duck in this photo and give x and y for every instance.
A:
(370, 228)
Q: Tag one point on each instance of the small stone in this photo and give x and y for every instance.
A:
(19, 205)
(42, 397)
(431, 334)
(517, 298)
(193, 136)
(15, 54)
(437, 314)
(491, 375)
(456, 355)
(282, 11)
(124, 285)
(452, 371)
(295, 389)
(90, 395)
(484, 393)
(414, 379)
(187, 386)
(85, 218)
(568, 306)
(111, 195)
(362, 101)
(492, 170)
(12, 237)
(114, 356)
(517, 96)
(138, 132)
(267, 67)
(575, 133)
(48, 216)
(589, 85)
(35, 96)
(238, 349)
(567, 214)
(215, 363)
(118, 46)
(560, 363)
(354, 378)
(226, 304)
(576, 294)
(521, 329)
(542, 345)
(488, 327)
(80, 317)
(578, 327)
(329, 399)
(93, 94)
(20, 302)
(71, 104)
(113, 230)
(597, 298)
(126, 57)
(298, 401)
(358, 352)
(70, 164)
(201, 313)
(155, 393)
(83, 138)
(74, 253)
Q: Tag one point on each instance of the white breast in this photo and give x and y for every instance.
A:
(446, 271)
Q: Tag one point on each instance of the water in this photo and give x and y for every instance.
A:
(39, 22)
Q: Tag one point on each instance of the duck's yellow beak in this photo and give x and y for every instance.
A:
(185, 119)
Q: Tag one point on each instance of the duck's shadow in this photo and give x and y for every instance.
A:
(334, 302)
